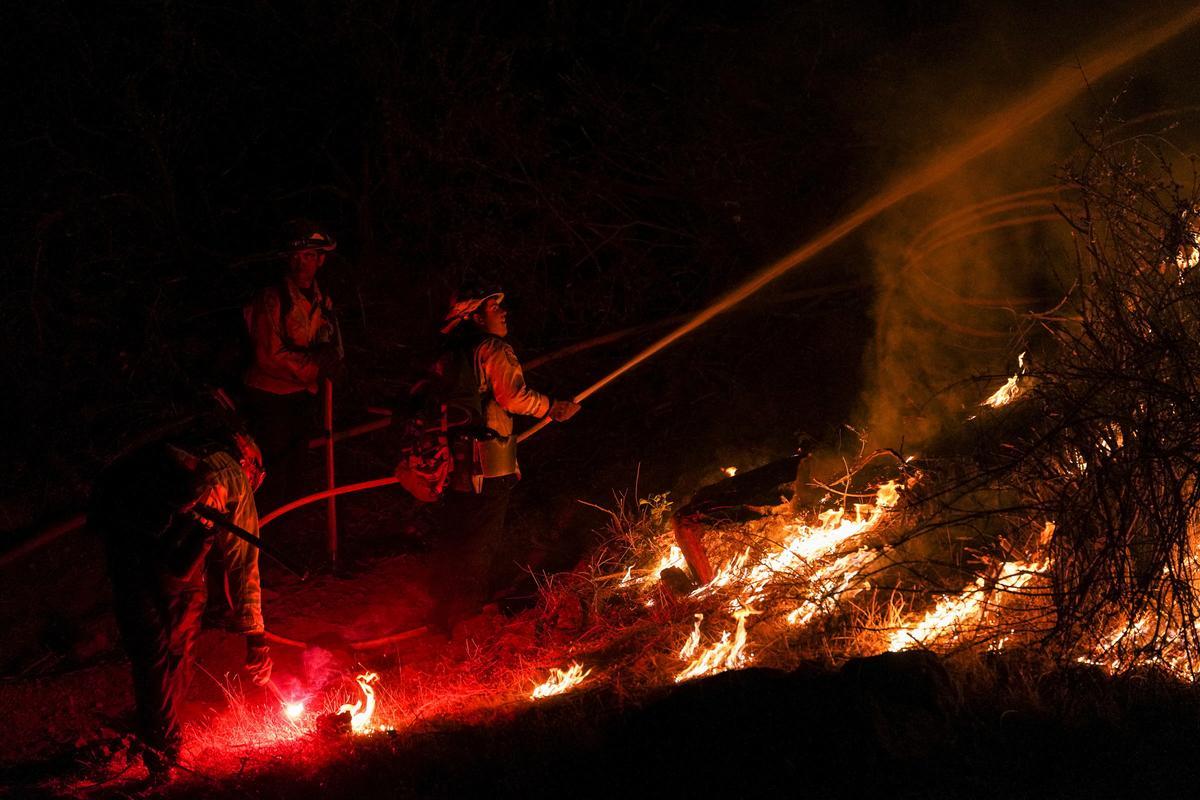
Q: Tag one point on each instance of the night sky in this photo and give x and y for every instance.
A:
(608, 164)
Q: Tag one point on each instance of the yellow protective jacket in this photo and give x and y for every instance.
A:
(284, 339)
(491, 388)
(239, 558)
(502, 384)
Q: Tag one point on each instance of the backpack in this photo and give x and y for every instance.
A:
(424, 464)
(440, 443)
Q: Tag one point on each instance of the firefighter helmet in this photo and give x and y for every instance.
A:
(466, 301)
(303, 234)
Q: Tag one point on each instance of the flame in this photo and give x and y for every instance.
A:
(832, 582)
(971, 605)
(1189, 253)
(293, 710)
(673, 558)
(725, 654)
(804, 545)
(1005, 394)
(1108, 651)
(693, 641)
(730, 471)
(360, 713)
(1010, 390)
(560, 681)
(1125, 642)
(974, 603)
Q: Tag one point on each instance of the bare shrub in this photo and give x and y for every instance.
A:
(1104, 440)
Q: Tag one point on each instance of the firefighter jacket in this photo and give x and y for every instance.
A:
(238, 558)
(287, 326)
(136, 506)
(485, 379)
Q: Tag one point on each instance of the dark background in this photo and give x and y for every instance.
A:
(610, 164)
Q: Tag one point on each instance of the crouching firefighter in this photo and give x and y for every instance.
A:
(477, 385)
(144, 505)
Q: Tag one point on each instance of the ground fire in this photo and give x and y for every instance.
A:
(361, 711)
(560, 681)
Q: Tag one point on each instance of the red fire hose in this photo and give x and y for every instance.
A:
(326, 493)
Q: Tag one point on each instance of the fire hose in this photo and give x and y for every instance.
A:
(213, 516)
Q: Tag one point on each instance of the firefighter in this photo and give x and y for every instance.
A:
(480, 382)
(296, 345)
(156, 550)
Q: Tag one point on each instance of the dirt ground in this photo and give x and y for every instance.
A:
(455, 718)
(68, 681)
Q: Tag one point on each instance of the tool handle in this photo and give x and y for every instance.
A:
(215, 517)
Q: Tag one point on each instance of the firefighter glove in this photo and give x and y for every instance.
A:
(563, 410)
(258, 659)
(329, 363)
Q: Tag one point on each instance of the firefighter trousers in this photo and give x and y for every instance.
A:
(468, 559)
(158, 616)
(282, 425)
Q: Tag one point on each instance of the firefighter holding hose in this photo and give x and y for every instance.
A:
(156, 546)
(479, 382)
(296, 345)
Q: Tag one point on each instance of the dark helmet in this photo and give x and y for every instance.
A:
(303, 234)
(467, 300)
(233, 427)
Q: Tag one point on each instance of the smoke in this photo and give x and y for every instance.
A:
(960, 268)
(954, 291)
(319, 666)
